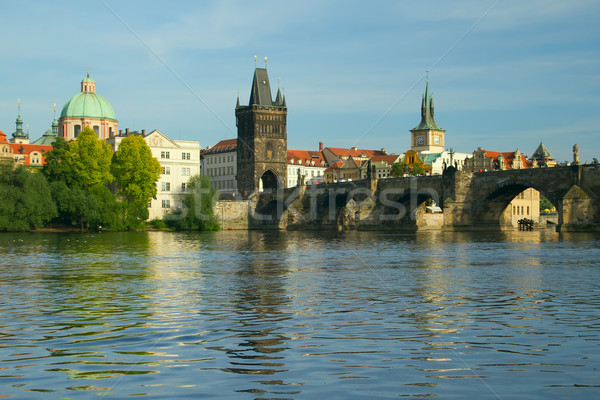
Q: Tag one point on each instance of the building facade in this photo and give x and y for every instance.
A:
(486, 160)
(305, 166)
(220, 163)
(87, 108)
(262, 138)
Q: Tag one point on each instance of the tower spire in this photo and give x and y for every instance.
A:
(19, 134)
(55, 122)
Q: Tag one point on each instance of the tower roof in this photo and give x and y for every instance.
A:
(261, 89)
(427, 108)
(19, 134)
(542, 154)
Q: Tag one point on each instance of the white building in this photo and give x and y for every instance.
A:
(220, 163)
(310, 165)
(179, 159)
(444, 159)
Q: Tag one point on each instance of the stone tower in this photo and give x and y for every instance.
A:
(262, 138)
(427, 136)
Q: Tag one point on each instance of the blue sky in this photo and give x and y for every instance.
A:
(504, 74)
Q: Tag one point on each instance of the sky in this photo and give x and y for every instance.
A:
(505, 74)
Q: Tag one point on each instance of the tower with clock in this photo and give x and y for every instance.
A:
(427, 136)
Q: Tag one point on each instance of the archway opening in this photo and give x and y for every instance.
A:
(513, 203)
(269, 181)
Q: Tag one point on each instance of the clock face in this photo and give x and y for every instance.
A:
(436, 140)
(420, 140)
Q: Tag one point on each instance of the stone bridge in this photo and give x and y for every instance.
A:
(467, 201)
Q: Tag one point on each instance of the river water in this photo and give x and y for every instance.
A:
(300, 315)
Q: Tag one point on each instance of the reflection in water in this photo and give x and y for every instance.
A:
(299, 315)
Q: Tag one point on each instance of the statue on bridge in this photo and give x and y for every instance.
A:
(576, 154)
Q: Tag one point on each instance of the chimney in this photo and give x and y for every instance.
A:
(354, 148)
(120, 132)
(383, 151)
(126, 131)
(143, 132)
(320, 146)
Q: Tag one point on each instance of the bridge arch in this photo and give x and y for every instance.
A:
(490, 210)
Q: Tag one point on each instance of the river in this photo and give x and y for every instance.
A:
(300, 315)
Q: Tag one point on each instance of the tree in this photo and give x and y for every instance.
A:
(86, 208)
(54, 169)
(198, 207)
(136, 173)
(25, 200)
(83, 162)
(398, 169)
(545, 204)
(417, 169)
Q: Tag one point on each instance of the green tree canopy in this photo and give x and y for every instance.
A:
(198, 207)
(83, 162)
(135, 170)
(397, 169)
(25, 200)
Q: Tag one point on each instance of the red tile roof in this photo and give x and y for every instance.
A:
(306, 157)
(508, 157)
(389, 159)
(222, 147)
(3, 137)
(335, 165)
(340, 152)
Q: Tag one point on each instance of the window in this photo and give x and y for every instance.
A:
(185, 156)
(186, 171)
(166, 170)
(77, 129)
(165, 154)
(165, 186)
(166, 204)
(184, 187)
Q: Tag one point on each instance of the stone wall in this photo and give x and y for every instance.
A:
(232, 214)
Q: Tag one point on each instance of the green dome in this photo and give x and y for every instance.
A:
(88, 105)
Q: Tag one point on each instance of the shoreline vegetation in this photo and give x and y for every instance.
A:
(85, 187)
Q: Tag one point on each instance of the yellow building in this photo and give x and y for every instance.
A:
(414, 161)
(525, 205)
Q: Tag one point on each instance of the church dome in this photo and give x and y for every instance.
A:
(88, 104)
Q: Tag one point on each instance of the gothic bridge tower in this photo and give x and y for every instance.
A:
(262, 138)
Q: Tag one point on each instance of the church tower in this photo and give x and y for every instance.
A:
(262, 138)
(427, 136)
(19, 136)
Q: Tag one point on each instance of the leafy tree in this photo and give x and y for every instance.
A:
(417, 169)
(86, 208)
(398, 169)
(545, 204)
(54, 169)
(25, 200)
(136, 173)
(83, 162)
(198, 207)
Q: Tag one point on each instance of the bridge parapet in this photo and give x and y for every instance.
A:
(468, 200)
